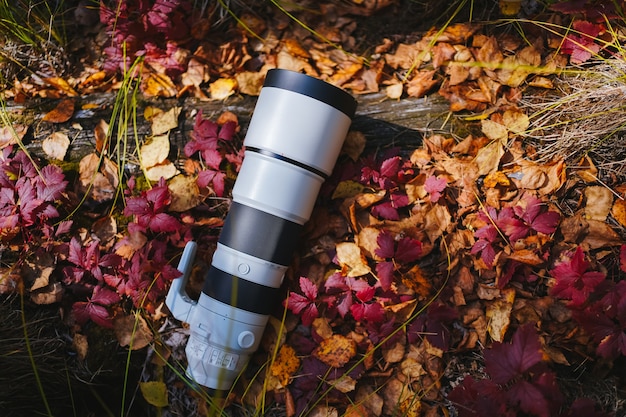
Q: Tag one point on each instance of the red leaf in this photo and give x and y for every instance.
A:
(622, 258)
(573, 282)
(87, 310)
(434, 186)
(389, 168)
(384, 271)
(505, 361)
(409, 250)
(529, 398)
(163, 222)
(104, 296)
(386, 245)
(304, 305)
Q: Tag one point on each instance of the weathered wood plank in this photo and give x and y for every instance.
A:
(384, 122)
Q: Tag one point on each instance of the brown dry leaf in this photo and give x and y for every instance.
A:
(287, 61)
(50, 294)
(131, 244)
(323, 411)
(165, 170)
(222, 88)
(586, 170)
(336, 351)
(55, 146)
(619, 211)
(546, 178)
(489, 52)
(599, 201)
(357, 410)
(354, 144)
(163, 122)
(10, 135)
(394, 353)
(494, 130)
(442, 53)
(343, 384)
(351, 260)
(196, 73)
(541, 82)
(412, 368)
(400, 399)
(405, 56)
(185, 193)
(155, 393)
(457, 33)
(250, 82)
(61, 113)
(10, 279)
(499, 314)
(132, 331)
(154, 152)
(80, 343)
(422, 83)
(367, 241)
(101, 132)
(515, 121)
(596, 234)
(370, 399)
(322, 328)
(284, 365)
(488, 158)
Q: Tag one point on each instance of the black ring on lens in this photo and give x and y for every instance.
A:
(312, 87)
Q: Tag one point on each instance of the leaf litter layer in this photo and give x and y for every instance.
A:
(464, 276)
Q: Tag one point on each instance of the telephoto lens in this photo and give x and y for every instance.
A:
(292, 144)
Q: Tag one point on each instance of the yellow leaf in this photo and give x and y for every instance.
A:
(222, 88)
(336, 351)
(496, 178)
(155, 393)
(619, 211)
(348, 188)
(350, 258)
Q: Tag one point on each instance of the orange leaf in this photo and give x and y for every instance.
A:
(61, 113)
(336, 351)
(285, 364)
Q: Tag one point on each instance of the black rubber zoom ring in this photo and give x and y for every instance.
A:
(260, 234)
(288, 160)
(312, 87)
(240, 293)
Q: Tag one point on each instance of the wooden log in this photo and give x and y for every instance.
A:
(383, 121)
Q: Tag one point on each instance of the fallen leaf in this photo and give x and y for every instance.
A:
(285, 365)
(155, 393)
(196, 73)
(80, 343)
(498, 314)
(165, 170)
(10, 135)
(343, 384)
(422, 83)
(488, 157)
(61, 113)
(101, 133)
(132, 331)
(351, 259)
(155, 151)
(185, 193)
(394, 90)
(250, 82)
(370, 399)
(165, 121)
(599, 201)
(619, 211)
(158, 85)
(347, 189)
(62, 85)
(50, 294)
(494, 130)
(336, 351)
(354, 144)
(55, 146)
(222, 88)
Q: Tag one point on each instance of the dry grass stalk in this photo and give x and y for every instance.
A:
(584, 114)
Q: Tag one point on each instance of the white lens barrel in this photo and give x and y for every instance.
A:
(292, 144)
